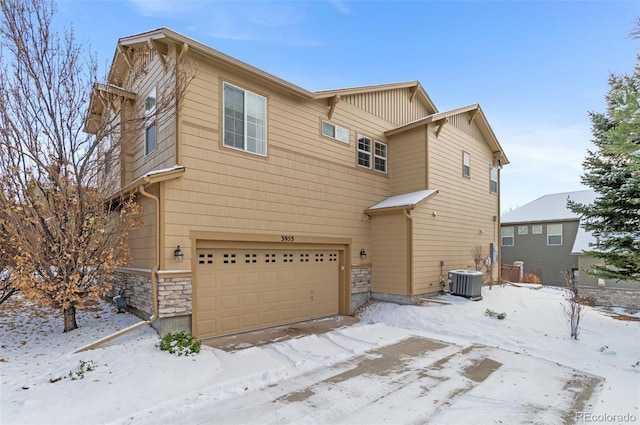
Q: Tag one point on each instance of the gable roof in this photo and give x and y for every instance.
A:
(417, 90)
(477, 114)
(166, 34)
(552, 207)
(406, 200)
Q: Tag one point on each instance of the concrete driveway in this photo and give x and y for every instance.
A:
(415, 380)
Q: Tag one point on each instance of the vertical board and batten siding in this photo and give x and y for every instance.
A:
(463, 207)
(545, 261)
(390, 253)
(394, 106)
(408, 161)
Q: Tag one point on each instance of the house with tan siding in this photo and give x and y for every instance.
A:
(265, 203)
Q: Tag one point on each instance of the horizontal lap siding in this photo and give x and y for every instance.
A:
(142, 241)
(547, 262)
(389, 240)
(408, 161)
(306, 185)
(463, 206)
(164, 154)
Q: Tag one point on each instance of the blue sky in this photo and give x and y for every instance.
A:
(535, 67)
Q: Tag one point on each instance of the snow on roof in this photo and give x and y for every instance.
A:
(551, 207)
(404, 200)
(584, 241)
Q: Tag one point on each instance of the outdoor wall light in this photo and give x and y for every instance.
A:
(178, 255)
(363, 254)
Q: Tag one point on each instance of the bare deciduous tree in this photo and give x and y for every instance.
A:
(571, 306)
(67, 230)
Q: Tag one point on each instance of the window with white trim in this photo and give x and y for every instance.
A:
(335, 131)
(523, 230)
(245, 120)
(536, 229)
(151, 130)
(493, 180)
(554, 234)
(506, 235)
(466, 164)
(368, 148)
(364, 151)
(380, 156)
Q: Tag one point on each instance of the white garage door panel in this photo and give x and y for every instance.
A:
(244, 289)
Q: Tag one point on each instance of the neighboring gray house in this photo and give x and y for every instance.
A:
(542, 234)
(547, 237)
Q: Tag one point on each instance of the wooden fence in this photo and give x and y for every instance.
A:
(510, 273)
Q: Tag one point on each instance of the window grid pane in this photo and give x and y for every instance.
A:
(364, 152)
(150, 139)
(380, 161)
(466, 164)
(233, 117)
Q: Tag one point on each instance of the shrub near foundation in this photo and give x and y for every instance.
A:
(530, 278)
(180, 343)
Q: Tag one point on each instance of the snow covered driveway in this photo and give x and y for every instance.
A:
(413, 380)
(445, 364)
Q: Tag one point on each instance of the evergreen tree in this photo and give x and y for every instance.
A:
(612, 170)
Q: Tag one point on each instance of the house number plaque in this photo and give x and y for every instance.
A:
(287, 238)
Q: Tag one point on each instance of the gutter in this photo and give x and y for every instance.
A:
(154, 279)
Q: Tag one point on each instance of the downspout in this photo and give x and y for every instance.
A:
(154, 281)
(409, 253)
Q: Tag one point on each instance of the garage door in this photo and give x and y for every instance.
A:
(243, 289)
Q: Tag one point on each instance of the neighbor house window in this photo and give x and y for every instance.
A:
(466, 164)
(245, 120)
(507, 236)
(536, 229)
(554, 234)
(493, 180)
(335, 132)
(150, 131)
(523, 230)
(380, 157)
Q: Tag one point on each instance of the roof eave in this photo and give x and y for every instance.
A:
(167, 34)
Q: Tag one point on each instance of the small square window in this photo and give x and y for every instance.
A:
(523, 230)
(536, 229)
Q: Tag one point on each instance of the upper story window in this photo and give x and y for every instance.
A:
(364, 151)
(523, 230)
(536, 229)
(367, 148)
(245, 120)
(507, 237)
(151, 130)
(554, 234)
(380, 156)
(466, 164)
(335, 132)
(493, 178)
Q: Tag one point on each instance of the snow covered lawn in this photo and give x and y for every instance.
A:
(350, 375)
